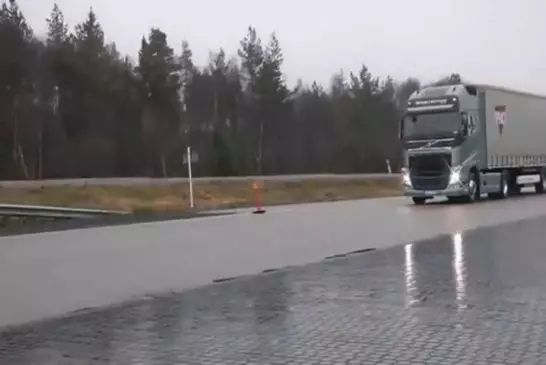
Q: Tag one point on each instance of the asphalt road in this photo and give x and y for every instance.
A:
(477, 298)
(49, 274)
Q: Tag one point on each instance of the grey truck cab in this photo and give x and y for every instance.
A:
(458, 142)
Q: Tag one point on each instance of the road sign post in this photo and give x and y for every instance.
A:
(190, 178)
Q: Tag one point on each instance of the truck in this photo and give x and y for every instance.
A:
(466, 141)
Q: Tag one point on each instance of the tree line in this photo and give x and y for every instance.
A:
(72, 106)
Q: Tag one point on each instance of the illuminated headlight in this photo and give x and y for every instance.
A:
(406, 180)
(455, 176)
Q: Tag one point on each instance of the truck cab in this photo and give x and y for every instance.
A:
(442, 133)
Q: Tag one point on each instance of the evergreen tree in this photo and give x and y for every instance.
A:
(16, 49)
(89, 37)
(57, 32)
(159, 71)
(18, 53)
(404, 91)
(74, 106)
(251, 53)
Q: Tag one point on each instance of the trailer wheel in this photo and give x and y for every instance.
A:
(512, 181)
(539, 186)
(503, 189)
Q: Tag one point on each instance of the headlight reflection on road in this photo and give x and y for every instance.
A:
(411, 284)
(459, 267)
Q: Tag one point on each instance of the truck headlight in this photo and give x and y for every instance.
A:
(455, 176)
(406, 180)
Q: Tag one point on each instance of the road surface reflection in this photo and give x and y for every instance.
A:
(477, 297)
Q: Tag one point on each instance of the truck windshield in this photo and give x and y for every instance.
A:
(437, 125)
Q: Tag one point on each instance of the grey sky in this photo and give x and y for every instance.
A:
(491, 41)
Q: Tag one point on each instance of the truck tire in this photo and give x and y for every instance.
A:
(475, 193)
(512, 180)
(418, 200)
(503, 189)
(539, 186)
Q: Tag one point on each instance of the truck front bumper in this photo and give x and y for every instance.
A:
(451, 191)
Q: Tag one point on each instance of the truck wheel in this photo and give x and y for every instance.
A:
(504, 189)
(513, 187)
(539, 186)
(418, 200)
(474, 185)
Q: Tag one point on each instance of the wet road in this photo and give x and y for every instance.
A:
(473, 298)
(50, 274)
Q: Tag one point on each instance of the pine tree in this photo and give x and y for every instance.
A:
(16, 48)
(159, 70)
(11, 14)
(251, 53)
(57, 29)
(270, 78)
(89, 37)
(187, 71)
(404, 91)
(56, 55)
(18, 55)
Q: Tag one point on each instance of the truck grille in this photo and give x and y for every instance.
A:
(430, 172)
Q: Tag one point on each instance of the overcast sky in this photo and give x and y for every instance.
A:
(492, 41)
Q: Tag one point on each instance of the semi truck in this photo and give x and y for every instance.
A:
(467, 141)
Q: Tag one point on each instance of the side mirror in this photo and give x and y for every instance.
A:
(464, 123)
(465, 130)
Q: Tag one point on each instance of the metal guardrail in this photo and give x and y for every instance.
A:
(143, 181)
(39, 211)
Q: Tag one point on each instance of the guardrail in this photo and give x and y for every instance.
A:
(39, 211)
(142, 181)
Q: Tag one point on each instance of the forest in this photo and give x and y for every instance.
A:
(72, 106)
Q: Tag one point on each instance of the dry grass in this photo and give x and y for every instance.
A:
(207, 195)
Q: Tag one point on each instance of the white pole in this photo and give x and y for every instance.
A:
(188, 152)
(389, 169)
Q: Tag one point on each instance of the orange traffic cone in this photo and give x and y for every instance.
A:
(258, 208)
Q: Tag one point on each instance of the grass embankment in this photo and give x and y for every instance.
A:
(210, 195)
